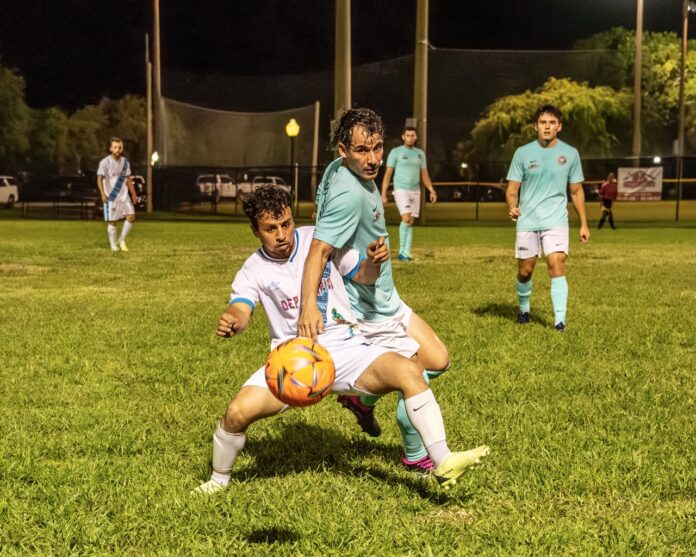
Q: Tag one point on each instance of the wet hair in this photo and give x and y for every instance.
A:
(410, 129)
(550, 109)
(343, 132)
(268, 199)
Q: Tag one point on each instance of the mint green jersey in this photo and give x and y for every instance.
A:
(545, 174)
(407, 164)
(350, 213)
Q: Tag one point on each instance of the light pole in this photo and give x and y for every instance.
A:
(637, 77)
(687, 6)
(292, 129)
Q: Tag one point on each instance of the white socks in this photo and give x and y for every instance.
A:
(226, 447)
(125, 230)
(425, 415)
(111, 231)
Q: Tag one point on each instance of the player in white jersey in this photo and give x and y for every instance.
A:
(273, 277)
(117, 193)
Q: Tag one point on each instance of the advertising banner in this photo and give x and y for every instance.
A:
(640, 184)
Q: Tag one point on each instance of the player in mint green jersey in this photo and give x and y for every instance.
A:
(408, 167)
(350, 214)
(538, 180)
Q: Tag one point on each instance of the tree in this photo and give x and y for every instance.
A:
(14, 120)
(47, 129)
(592, 117)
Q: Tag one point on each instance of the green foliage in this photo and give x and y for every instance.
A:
(14, 120)
(112, 381)
(46, 136)
(591, 116)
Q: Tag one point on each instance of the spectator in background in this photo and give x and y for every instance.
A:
(607, 196)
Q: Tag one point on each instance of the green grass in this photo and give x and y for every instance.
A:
(112, 380)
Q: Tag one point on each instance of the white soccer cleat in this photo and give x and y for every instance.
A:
(122, 245)
(114, 248)
(208, 488)
(457, 463)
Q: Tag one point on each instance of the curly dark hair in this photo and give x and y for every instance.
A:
(268, 199)
(343, 132)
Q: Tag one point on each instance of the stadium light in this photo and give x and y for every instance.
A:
(154, 158)
(657, 160)
(292, 129)
(687, 7)
(464, 165)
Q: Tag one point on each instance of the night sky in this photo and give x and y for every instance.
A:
(72, 52)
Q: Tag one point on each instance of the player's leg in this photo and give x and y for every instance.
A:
(527, 249)
(404, 227)
(127, 225)
(555, 243)
(391, 372)
(610, 214)
(414, 203)
(603, 218)
(110, 225)
(251, 404)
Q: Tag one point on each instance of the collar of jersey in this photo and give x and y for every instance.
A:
(263, 254)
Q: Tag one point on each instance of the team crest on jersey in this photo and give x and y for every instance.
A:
(562, 160)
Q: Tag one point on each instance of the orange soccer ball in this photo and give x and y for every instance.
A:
(300, 372)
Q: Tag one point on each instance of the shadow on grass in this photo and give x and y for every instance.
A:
(272, 535)
(305, 447)
(508, 312)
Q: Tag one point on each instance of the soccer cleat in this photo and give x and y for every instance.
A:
(560, 327)
(208, 488)
(457, 463)
(122, 245)
(523, 318)
(114, 248)
(364, 414)
(422, 465)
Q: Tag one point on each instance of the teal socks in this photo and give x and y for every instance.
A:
(403, 233)
(559, 298)
(524, 291)
(409, 240)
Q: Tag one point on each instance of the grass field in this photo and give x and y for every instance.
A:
(112, 380)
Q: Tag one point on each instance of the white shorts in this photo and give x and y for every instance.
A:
(529, 243)
(351, 358)
(408, 201)
(391, 333)
(117, 210)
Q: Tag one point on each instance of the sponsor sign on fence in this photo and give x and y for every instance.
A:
(640, 184)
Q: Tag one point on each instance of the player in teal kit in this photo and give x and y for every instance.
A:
(536, 195)
(350, 213)
(408, 167)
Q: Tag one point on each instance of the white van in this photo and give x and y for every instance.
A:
(9, 192)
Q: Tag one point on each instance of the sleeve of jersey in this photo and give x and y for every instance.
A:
(127, 168)
(101, 171)
(575, 176)
(244, 289)
(516, 172)
(339, 219)
(391, 158)
(424, 164)
(347, 261)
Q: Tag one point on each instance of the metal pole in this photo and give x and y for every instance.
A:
(159, 132)
(342, 59)
(420, 86)
(315, 150)
(148, 157)
(637, 72)
(682, 77)
(297, 188)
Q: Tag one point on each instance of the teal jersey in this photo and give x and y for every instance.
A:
(545, 174)
(407, 164)
(350, 213)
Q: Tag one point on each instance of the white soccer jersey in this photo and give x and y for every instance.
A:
(115, 173)
(277, 285)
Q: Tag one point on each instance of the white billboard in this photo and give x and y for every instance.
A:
(640, 184)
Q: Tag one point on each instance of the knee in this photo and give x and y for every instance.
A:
(412, 377)
(524, 274)
(440, 360)
(130, 218)
(235, 419)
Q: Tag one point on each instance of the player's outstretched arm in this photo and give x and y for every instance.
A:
(234, 320)
(388, 173)
(311, 323)
(377, 253)
(577, 197)
(512, 196)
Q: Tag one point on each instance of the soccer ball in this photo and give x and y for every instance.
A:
(300, 372)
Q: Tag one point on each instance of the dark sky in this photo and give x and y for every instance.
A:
(71, 52)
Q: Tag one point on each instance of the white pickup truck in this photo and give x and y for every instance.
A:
(245, 188)
(213, 187)
(9, 192)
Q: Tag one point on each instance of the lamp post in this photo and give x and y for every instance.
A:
(292, 129)
(687, 6)
(637, 76)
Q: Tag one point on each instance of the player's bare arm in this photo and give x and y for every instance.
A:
(234, 320)
(512, 196)
(577, 197)
(131, 189)
(388, 174)
(377, 253)
(100, 185)
(428, 183)
(311, 324)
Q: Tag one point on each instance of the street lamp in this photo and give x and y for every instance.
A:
(154, 158)
(687, 6)
(292, 129)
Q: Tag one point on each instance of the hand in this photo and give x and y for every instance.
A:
(514, 214)
(104, 199)
(584, 234)
(311, 323)
(385, 199)
(227, 326)
(433, 197)
(134, 199)
(378, 251)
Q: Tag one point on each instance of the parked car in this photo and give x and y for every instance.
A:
(245, 188)
(9, 192)
(213, 187)
(140, 192)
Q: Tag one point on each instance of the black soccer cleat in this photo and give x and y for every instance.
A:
(523, 318)
(560, 327)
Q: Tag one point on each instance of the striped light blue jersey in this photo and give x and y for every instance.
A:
(115, 173)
